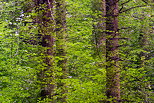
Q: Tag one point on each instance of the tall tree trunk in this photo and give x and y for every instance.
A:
(99, 8)
(52, 26)
(45, 22)
(112, 53)
(60, 18)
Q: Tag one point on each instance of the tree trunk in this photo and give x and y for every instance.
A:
(52, 26)
(60, 18)
(112, 53)
(45, 22)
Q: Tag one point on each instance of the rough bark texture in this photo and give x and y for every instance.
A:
(51, 22)
(60, 18)
(45, 22)
(112, 57)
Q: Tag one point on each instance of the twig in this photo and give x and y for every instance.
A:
(123, 5)
(132, 8)
(145, 1)
(125, 2)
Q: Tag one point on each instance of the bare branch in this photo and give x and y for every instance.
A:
(132, 8)
(145, 1)
(126, 2)
(123, 5)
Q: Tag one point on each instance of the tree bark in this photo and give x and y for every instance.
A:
(52, 28)
(60, 18)
(112, 53)
(45, 22)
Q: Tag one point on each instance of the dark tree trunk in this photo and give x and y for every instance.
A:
(45, 22)
(60, 19)
(112, 53)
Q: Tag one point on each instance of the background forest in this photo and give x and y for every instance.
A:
(76, 51)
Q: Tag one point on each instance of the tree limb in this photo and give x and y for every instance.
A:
(132, 8)
(126, 2)
(145, 1)
(123, 5)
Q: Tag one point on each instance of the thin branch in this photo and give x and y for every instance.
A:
(145, 1)
(123, 5)
(121, 8)
(126, 2)
(132, 8)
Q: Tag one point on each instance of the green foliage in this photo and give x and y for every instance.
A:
(87, 81)
(21, 56)
(18, 73)
(136, 26)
